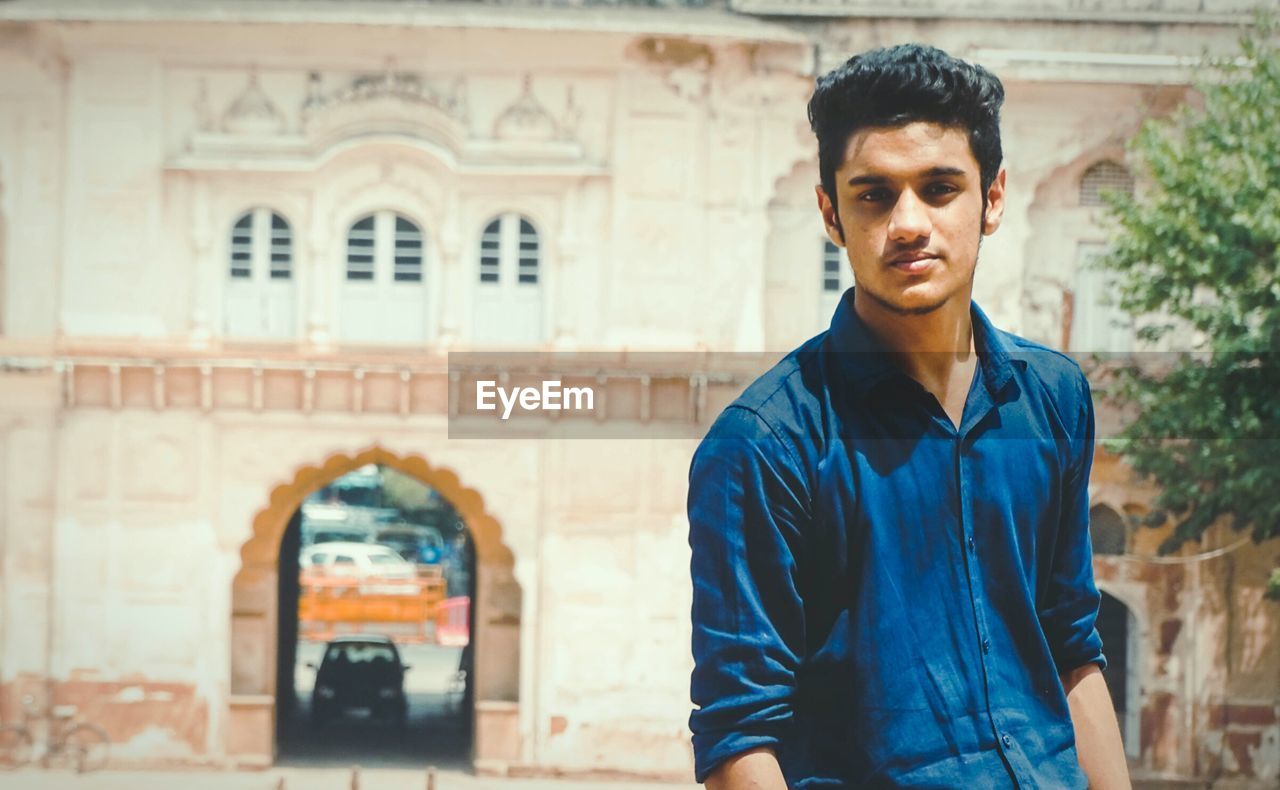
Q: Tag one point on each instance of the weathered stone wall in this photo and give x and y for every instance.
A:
(670, 172)
(1207, 669)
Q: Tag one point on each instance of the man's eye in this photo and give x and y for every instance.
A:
(874, 195)
(941, 189)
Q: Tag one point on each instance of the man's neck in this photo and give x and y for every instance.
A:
(936, 348)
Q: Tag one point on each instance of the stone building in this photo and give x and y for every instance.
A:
(237, 240)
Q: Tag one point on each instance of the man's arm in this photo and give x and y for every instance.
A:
(1098, 742)
(1068, 611)
(747, 505)
(757, 769)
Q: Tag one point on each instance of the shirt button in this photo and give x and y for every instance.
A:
(986, 648)
(1006, 740)
(971, 547)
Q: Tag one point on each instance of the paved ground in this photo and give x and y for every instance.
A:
(297, 779)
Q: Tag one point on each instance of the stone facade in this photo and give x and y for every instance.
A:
(157, 432)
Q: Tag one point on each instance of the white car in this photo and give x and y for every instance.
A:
(377, 567)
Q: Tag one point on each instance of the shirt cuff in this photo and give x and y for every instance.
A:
(1080, 651)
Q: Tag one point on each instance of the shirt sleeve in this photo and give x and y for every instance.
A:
(1070, 607)
(746, 505)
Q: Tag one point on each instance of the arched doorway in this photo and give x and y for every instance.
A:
(375, 580)
(1118, 629)
(261, 606)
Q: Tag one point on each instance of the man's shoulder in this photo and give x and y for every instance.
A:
(780, 405)
(791, 381)
(1052, 376)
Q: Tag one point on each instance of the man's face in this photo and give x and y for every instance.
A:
(910, 214)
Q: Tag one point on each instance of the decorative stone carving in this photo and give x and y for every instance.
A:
(526, 119)
(690, 84)
(388, 106)
(253, 112)
(205, 121)
(571, 121)
(390, 84)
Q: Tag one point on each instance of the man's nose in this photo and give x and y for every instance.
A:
(910, 219)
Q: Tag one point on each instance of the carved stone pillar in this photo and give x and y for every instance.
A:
(562, 308)
(206, 287)
(452, 286)
(320, 286)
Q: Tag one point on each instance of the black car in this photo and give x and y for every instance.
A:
(363, 676)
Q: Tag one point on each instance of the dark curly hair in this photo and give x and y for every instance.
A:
(892, 86)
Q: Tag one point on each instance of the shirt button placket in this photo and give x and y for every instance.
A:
(966, 526)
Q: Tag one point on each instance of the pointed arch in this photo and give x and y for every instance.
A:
(270, 522)
(254, 609)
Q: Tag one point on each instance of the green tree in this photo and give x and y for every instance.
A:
(1197, 253)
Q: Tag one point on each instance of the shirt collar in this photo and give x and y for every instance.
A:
(866, 362)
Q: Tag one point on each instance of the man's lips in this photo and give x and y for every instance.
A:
(916, 262)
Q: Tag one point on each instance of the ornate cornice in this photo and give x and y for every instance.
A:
(388, 107)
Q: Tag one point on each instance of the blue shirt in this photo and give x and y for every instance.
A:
(885, 600)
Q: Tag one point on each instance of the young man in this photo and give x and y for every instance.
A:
(891, 564)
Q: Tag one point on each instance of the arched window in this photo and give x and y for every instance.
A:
(408, 252)
(242, 247)
(490, 245)
(832, 266)
(1104, 175)
(1097, 322)
(836, 279)
(281, 249)
(360, 250)
(501, 248)
(527, 257)
(508, 305)
(1107, 531)
(383, 293)
(260, 292)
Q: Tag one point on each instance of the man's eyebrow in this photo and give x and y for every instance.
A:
(932, 172)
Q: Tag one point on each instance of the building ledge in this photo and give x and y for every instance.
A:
(1215, 12)
(711, 23)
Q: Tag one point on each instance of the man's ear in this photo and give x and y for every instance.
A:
(995, 204)
(829, 217)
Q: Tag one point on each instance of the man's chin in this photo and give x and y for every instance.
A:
(909, 303)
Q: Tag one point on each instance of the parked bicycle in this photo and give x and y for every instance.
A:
(81, 745)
